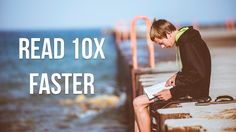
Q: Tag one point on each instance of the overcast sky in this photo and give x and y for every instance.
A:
(64, 14)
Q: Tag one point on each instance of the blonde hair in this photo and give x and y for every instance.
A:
(160, 28)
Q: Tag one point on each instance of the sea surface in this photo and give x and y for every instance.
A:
(20, 111)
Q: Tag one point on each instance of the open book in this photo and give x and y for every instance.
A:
(155, 89)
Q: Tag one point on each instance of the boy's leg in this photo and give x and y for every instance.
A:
(136, 129)
(142, 114)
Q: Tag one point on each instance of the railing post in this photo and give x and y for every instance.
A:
(134, 49)
(134, 42)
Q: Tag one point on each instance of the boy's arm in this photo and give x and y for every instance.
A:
(171, 80)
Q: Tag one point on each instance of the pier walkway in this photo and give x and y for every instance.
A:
(144, 64)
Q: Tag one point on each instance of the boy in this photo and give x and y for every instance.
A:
(192, 80)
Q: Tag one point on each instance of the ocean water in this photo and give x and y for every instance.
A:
(20, 111)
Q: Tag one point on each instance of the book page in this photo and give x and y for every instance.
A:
(155, 89)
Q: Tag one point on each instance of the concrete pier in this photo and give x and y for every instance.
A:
(222, 45)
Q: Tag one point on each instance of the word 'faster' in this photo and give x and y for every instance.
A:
(81, 83)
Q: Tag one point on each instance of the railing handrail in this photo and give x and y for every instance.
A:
(134, 42)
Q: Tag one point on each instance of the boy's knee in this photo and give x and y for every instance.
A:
(139, 102)
(136, 102)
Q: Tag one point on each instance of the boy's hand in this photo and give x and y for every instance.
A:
(171, 81)
(164, 95)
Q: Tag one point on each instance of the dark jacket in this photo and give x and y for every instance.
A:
(194, 79)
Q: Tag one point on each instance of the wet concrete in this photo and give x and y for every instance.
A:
(223, 68)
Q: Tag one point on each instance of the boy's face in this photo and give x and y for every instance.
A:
(167, 42)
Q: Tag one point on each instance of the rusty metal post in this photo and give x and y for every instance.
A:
(134, 42)
(121, 31)
(134, 48)
(229, 24)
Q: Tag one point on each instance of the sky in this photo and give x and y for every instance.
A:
(71, 14)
